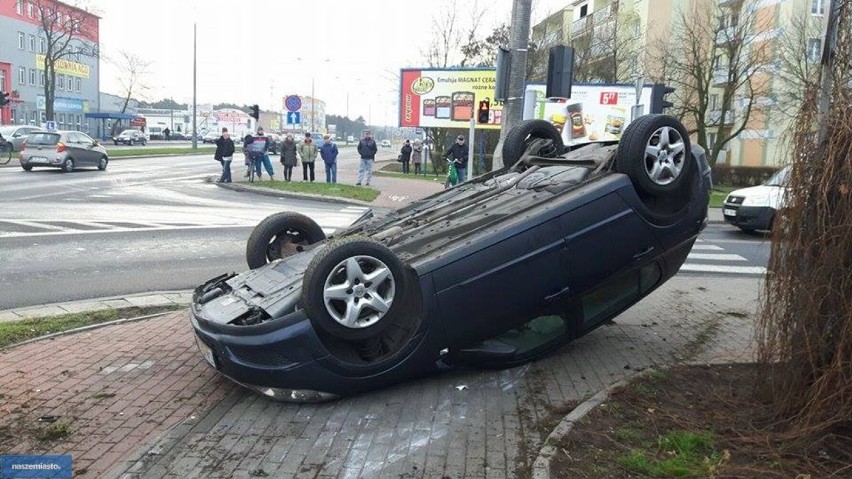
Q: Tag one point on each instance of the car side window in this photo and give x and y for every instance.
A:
(85, 139)
(73, 138)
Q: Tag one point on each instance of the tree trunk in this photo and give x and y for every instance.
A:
(514, 107)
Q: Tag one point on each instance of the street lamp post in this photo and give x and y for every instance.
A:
(194, 90)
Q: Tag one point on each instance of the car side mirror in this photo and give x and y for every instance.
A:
(95, 143)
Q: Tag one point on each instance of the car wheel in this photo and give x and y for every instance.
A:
(132, 142)
(656, 154)
(353, 289)
(102, 164)
(279, 236)
(115, 143)
(68, 165)
(518, 139)
(27, 167)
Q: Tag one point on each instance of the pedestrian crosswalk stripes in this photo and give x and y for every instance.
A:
(706, 247)
(716, 268)
(711, 258)
(715, 257)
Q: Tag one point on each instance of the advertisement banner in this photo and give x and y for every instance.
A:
(64, 105)
(65, 67)
(593, 113)
(448, 98)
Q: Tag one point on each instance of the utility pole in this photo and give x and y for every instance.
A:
(194, 84)
(513, 109)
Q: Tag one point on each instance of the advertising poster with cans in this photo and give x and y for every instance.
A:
(593, 113)
(448, 98)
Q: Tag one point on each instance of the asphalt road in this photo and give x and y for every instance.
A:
(145, 224)
(725, 250)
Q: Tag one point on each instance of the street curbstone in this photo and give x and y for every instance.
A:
(285, 194)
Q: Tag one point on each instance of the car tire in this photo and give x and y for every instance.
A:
(656, 154)
(132, 143)
(281, 235)
(115, 143)
(517, 140)
(68, 165)
(27, 167)
(102, 163)
(339, 297)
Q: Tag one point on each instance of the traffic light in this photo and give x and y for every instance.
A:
(255, 112)
(658, 98)
(482, 112)
(667, 104)
(4, 99)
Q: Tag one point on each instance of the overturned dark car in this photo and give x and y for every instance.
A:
(493, 273)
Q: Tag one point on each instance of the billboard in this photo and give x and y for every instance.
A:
(593, 113)
(448, 98)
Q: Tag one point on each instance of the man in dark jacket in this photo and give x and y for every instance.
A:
(367, 148)
(328, 152)
(224, 154)
(458, 155)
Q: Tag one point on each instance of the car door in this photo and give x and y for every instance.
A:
(78, 149)
(87, 144)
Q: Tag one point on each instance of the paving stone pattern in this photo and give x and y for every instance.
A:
(461, 424)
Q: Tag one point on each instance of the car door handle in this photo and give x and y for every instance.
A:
(643, 254)
(558, 295)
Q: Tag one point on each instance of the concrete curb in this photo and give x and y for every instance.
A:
(154, 298)
(541, 466)
(286, 194)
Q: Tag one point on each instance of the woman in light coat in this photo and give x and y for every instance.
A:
(417, 156)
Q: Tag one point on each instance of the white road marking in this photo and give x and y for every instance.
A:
(715, 257)
(716, 268)
(707, 247)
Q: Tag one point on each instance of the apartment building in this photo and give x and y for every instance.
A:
(614, 39)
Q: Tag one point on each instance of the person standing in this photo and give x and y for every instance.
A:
(288, 156)
(166, 133)
(367, 148)
(260, 150)
(417, 155)
(458, 155)
(328, 151)
(247, 141)
(225, 153)
(308, 153)
(405, 153)
(427, 151)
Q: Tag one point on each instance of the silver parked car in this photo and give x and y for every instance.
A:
(17, 134)
(62, 149)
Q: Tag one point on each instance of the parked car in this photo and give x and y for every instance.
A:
(495, 272)
(16, 135)
(130, 137)
(210, 137)
(156, 133)
(386, 143)
(755, 208)
(67, 150)
(275, 141)
(177, 136)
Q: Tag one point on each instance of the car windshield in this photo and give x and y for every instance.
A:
(43, 139)
(780, 178)
(128, 132)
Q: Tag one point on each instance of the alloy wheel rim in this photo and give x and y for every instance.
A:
(664, 155)
(359, 291)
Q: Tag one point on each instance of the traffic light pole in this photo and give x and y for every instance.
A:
(194, 98)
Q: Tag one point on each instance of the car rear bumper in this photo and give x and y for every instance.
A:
(51, 162)
(749, 217)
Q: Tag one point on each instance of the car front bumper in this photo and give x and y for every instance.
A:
(749, 217)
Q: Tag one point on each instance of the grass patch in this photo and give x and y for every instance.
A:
(337, 190)
(54, 432)
(678, 454)
(118, 153)
(16, 331)
(719, 193)
(430, 178)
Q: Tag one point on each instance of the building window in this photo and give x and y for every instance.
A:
(41, 78)
(61, 82)
(818, 7)
(42, 45)
(30, 10)
(32, 43)
(814, 48)
(61, 119)
(584, 11)
(43, 116)
(78, 85)
(19, 7)
(33, 76)
(713, 101)
(21, 41)
(22, 75)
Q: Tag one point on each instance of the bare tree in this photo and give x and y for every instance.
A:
(716, 61)
(133, 79)
(798, 55)
(607, 45)
(68, 32)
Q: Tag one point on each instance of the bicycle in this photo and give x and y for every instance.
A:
(5, 152)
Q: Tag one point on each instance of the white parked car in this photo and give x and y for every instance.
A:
(754, 208)
(386, 143)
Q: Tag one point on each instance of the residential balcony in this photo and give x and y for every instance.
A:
(714, 117)
(581, 26)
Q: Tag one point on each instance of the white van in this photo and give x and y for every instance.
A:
(155, 133)
(754, 208)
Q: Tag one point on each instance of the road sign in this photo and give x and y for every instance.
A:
(294, 118)
(50, 126)
(293, 103)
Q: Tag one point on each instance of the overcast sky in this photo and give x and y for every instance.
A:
(263, 50)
